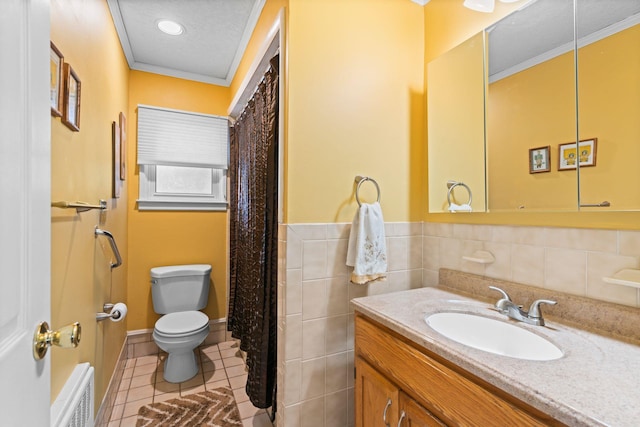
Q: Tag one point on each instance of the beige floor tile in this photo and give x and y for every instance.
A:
(217, 375)
(131, 408)
(144, 369)
(121, 397)
(163, 397)
(166, 387)
(232, 361)
(227, 344)
(247, 410)
(211, 354)
(116, 412)
(139, 393)
(240, 395)
(260, 420)
(212, 365)
(195, 381)
(124, 384)
(217, 384)
(146, 360)
(238, 382)
(229, 352)
(130, 363)
(139, 381)
(115, 423)
(184, 391)
(235, 371)
(129, 421)
(128, 373)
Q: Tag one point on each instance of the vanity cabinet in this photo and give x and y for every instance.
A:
(394, 376)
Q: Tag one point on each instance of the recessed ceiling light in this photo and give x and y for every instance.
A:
(170, 27)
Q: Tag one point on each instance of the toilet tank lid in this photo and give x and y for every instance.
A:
(180, 270)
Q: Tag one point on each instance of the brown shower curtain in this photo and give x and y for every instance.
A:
(253, 198)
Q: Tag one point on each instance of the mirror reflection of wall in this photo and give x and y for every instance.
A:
(456, 96)
(609, 101)
(532, 102)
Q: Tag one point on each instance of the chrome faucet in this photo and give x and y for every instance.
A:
(513, 311)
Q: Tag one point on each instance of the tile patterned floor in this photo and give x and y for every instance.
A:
(220, 365)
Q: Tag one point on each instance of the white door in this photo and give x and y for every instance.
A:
(25, 242)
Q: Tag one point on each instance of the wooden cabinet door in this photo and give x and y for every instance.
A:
(377, 399)
(414, 415)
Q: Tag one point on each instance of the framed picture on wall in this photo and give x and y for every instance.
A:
(115, 139)
(585, 153)
(56, 61)
(123, 147)
(539, 160)
(71, 105)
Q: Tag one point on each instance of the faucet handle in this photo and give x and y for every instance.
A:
(534, 310)
(504, 294)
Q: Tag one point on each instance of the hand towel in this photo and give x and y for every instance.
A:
(367, 252)
(459, 208)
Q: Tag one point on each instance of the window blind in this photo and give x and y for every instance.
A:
(181, 138)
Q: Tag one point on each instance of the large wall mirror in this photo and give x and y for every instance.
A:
(543, 89)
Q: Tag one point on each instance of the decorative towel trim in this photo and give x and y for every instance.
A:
(367, 252)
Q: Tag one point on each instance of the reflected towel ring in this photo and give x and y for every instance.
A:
(360, 180)
(454, 184)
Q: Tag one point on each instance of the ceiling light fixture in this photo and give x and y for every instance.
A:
(480, 5)
(170, 27)
(486, 6)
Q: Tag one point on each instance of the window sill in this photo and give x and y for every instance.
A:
(155, 205)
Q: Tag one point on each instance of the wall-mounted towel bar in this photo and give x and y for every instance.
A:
(79, 206)
(114, 247)
(604, 204)
(360, 179)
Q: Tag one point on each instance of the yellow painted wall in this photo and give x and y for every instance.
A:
(159, 238)
(609, 108)
(447, 24)
(456, 87)
(81, 169)
(355, 107)
(516, 107)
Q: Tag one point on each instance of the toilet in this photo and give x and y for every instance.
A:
(178, 292)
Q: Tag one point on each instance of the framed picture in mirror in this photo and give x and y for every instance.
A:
(539, 160)
(585, 153)
(71, 107)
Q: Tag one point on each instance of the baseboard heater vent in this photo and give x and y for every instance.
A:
(74, 405)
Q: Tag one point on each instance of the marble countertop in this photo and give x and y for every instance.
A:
(595, 383)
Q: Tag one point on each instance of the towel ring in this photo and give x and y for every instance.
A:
(360, 180)
(454, 184)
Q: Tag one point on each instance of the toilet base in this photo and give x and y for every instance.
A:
(180, 367)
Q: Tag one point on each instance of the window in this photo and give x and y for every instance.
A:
(183, 160)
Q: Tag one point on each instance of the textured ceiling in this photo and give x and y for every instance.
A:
(544, 28)
(215, 37)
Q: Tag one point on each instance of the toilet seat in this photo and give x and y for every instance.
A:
(181, 323)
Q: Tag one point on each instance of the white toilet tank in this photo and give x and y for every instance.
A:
(180, 287)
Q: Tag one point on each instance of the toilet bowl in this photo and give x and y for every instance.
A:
(179, 334)
(178, 292)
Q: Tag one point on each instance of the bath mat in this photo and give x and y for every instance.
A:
(209, 408)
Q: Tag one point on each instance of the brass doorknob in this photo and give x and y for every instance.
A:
(65, 337)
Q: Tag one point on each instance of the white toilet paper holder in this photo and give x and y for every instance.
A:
(108, 307)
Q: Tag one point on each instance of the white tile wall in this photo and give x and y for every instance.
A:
(315, 360)
(316, 369)
(569, 260)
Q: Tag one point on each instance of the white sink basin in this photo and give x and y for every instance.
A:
(493, 335)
